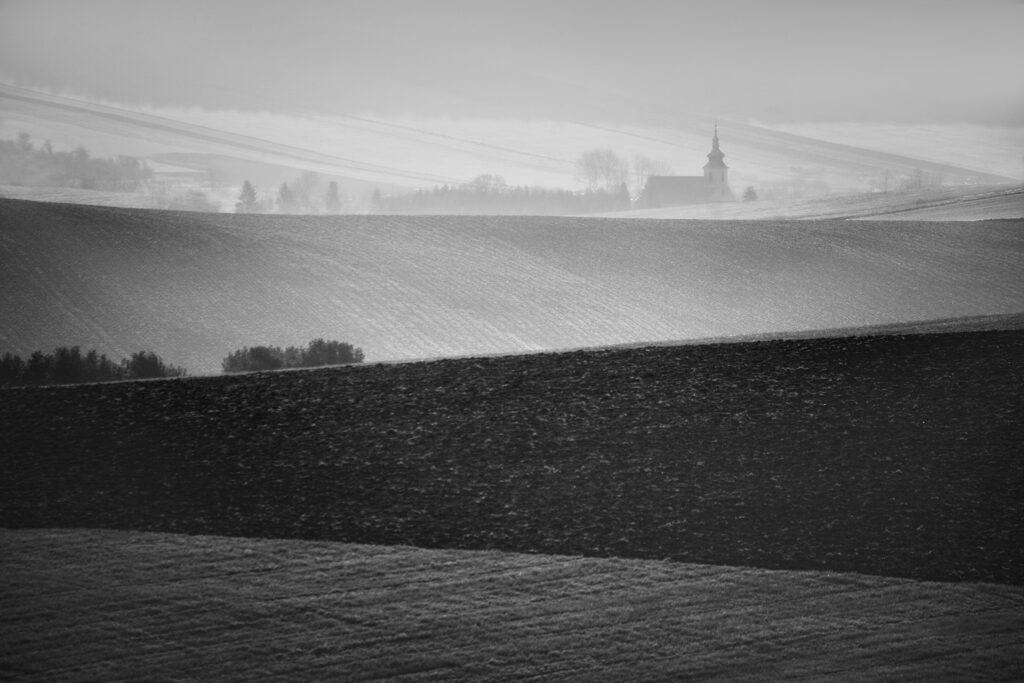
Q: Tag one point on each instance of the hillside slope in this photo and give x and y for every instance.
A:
(893, 455)
(145, 606)
(193, 287)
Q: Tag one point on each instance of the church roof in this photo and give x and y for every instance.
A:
(669, 190)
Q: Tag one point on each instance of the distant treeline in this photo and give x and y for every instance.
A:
(67, 365)
(318, 353)
(22, 163)
(490, 195)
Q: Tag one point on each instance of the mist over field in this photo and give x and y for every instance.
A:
(478, 340)
(401, 98)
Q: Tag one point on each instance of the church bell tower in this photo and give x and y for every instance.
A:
(716, 173)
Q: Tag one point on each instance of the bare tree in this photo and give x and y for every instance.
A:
(303, 189)
(601, 169)
(644, 167)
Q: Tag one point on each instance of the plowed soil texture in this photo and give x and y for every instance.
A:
(892, 455)
(101, 605)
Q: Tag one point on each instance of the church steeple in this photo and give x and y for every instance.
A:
(716, 155)
(716, 173)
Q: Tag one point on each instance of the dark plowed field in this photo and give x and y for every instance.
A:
(895, 455)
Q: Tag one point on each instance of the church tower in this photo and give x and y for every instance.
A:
(716, 173)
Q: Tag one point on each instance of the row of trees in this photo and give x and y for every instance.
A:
(489, 194)
(609, 182)
(304, 195)
(68, 365)
(22, 163)
(318, 353)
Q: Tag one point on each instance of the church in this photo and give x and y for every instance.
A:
(673, 190)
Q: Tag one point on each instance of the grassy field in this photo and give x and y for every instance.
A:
(195, 287)
(124, 606)
(893, 455)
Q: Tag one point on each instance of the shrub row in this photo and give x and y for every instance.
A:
(318, 353)
(68, 365)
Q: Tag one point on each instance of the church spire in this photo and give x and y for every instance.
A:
(716, 173)
(716, 155)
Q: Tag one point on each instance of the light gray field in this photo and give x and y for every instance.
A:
(113, 605)
(194, 287)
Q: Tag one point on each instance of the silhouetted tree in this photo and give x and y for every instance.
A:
(247, 201)
(12, 369)
(147, 365)
(67, 365)
(749, 195)
(285, 199)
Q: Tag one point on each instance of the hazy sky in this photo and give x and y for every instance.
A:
(782, 60)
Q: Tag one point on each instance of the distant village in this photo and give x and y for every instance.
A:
(203, 182)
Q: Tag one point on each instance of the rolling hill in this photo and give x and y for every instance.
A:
(145, 605)
(193, 287)
(727, 466)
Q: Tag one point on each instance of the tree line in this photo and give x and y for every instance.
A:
(22, 163)
(489, 194)
(68, 365)
(303, 196)
(609, 184)
(317, 353)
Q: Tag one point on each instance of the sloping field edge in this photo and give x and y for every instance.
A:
(111, 605)
(887, 455)
(975, 323)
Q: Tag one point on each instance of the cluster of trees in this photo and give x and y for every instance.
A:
(603, 169)
(304, 195)
(68, 365)
(318, 353)
(22, 163)
(489, 194)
